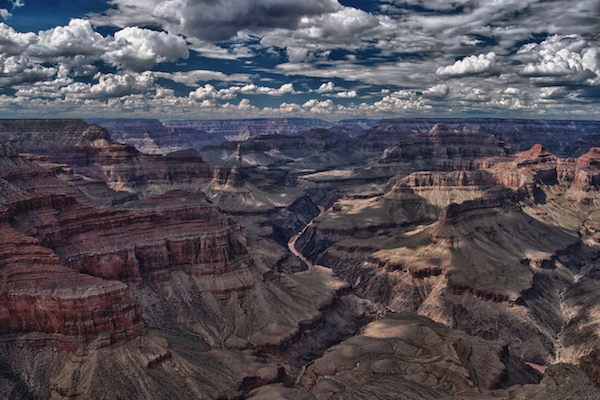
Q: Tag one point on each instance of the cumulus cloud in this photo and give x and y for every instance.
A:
(562, 57)
(74, 48)
(287, 88)
(5, 14)
(393, 105)
(316, 36)
(139, 49)
(117, 85)
(14, 43)
(326, 87)
(320, 107)
(350, 94)
(437, 92)
(18, 69)
(401, 94)
(472, 65)
(77, 38)
(191, 78)
(209, 92)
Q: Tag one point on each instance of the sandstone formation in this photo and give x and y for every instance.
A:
(441, 262)
(147, 135)
(81, 278)
(486, 251)
(517, 134)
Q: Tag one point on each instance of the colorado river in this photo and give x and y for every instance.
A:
(292, 242)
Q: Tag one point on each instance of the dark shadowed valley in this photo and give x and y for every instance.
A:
(440, 258)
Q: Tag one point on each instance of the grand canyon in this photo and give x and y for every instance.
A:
(297, 258)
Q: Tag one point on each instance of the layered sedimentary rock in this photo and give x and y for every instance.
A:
(475, 247)
(154, 137)
(165, 258)
(51, 304)
(443, 143)
(517, 134)
(317, 148)
(241, 129)
(471, 278)
(147, 135)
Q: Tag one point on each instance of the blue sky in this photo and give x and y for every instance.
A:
(324, 59)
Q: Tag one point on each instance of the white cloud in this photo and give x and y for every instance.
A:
(5, 14)
(401, 94)
(512, 91)
(287, 88)
(43, 88)
(139, 49)
(13, 43)
(472, 65)
(562, 60)
(395, 105)
(350, 94)
(209, 92)
(191, 78)
(15, 70)
(326, 87)
(16, 3)
(112, 85)
(77, 38)
(316, 36)
(320, 107)
(437, 92)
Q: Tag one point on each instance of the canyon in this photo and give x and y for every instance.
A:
(440, 258)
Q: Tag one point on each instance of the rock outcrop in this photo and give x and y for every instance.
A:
(43, 303)
(454, 266)
(467, 246)
(517, 134)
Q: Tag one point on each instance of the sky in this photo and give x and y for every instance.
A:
(327, 59)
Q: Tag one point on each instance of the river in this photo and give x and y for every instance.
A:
(292, 241)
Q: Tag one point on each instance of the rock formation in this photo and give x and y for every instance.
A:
(442, 262)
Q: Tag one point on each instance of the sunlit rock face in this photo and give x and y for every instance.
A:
(490, 247)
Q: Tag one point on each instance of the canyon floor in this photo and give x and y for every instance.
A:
(399, 259)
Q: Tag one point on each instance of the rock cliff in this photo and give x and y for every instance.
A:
(446, 265)
(464, 247)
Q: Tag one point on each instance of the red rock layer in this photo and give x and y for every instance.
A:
(445, 143)
(117, 244)
(53, 305)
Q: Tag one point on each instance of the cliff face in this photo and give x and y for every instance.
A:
(141, 276)
(444, 143)
(147, 135)
(466, 246)
(46, 304)
(84, 277)
(33, 135)
(518, 135)
(317, 148)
